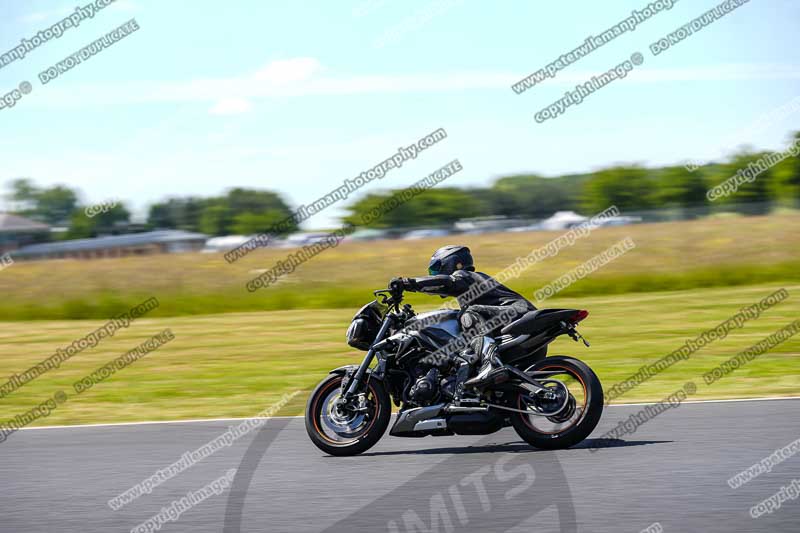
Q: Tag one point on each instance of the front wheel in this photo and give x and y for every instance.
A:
(347, 430)
(582, 405)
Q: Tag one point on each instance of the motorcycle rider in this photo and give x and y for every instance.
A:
(481, 297)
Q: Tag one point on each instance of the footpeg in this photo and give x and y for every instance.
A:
(489, 376)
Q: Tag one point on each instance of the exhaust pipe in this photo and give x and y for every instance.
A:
(407, 420)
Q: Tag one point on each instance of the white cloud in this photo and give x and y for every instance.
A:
(231, 106)
(305, 76)
(286, 71)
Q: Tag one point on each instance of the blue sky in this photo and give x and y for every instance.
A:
(297, 96)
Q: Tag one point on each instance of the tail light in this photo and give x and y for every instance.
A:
(580, 315)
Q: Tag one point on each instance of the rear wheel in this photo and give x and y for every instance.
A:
(339, 429)
(576, 409)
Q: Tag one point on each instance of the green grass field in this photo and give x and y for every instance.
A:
(235, 353)
(236, 364)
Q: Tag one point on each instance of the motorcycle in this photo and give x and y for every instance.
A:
(422, 364)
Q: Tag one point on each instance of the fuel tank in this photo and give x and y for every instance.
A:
(442, 325)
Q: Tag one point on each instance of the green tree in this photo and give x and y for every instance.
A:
(52, 205)
(630, 188)
(249, 223)
(254, 201)
(242, 211)
(113, 222)
(177, 213)
(216, 220)
(677, 187)
(433, 207)
(56, 204)
(751, 197)
(532, 196)
(23, 192)
(785, 186)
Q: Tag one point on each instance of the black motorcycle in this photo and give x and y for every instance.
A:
(423, 362)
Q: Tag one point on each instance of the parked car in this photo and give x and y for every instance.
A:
(619, 221)
(298, 240)
(562, 220)
(367, 234)
(225, 244)
(521, 229)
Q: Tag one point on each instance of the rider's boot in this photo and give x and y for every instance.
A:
(489, 369)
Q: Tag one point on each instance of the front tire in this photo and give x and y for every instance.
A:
(586, 407)
(337, 431)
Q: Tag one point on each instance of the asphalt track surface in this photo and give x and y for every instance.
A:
(673, 470)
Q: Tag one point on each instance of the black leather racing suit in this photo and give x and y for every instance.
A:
(481, 298)
(476, 293)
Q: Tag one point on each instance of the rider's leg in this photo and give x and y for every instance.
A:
(488, 354)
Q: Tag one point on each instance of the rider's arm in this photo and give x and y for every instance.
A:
(442, 285)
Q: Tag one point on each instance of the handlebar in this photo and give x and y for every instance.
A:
(391, 297)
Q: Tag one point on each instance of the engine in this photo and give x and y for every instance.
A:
(430, 377)
(426, 388)
(432, 386)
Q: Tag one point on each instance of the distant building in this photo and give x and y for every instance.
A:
(152, 242)
(17, 231)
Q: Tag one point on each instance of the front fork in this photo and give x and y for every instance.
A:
(357, 380)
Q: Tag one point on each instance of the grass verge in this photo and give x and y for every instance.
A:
(235, 365)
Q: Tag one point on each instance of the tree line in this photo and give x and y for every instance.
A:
(243, 211)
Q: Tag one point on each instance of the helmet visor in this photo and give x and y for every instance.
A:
(435, 268)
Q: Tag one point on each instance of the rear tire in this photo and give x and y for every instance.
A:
(363, 438)
(590, 413)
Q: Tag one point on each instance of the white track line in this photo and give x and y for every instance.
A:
(201, 420)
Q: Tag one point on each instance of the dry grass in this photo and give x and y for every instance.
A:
(703, 253)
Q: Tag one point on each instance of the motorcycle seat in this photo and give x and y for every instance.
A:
(537, 321)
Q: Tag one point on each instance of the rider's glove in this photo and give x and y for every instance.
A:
(396, 285)
(401, 284)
